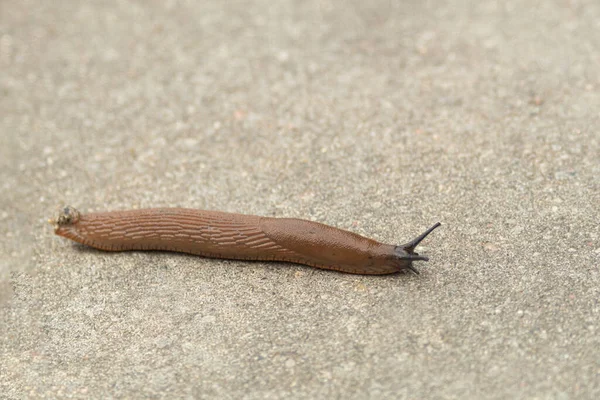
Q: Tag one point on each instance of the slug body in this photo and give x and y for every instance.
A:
(237, 236)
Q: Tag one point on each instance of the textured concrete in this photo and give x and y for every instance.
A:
(380, 117)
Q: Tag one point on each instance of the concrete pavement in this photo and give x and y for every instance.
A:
(377, 117)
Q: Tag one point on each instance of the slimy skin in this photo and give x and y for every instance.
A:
(218, 234)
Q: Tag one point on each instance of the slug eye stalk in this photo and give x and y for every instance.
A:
(410, 246)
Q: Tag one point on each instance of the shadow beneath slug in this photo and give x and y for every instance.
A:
(271, 265)
(91, 250)
(86, 249)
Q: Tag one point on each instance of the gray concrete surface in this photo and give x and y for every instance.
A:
(379, 117)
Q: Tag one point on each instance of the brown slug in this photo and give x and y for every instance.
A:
(236, 236)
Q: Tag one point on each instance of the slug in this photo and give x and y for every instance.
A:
(236, 236)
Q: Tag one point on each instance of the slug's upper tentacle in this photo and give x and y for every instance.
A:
(410, 246)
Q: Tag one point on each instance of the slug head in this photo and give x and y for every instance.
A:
(405, 254)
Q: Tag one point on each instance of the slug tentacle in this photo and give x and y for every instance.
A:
(410, 246)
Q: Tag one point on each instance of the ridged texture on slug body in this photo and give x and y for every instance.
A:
(236, 236)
